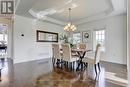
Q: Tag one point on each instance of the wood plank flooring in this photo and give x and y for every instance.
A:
(41, 73)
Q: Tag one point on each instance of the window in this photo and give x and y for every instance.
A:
(99, 38)
(76, 38)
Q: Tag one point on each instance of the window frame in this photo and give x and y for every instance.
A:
(104, 42)
(80, 37)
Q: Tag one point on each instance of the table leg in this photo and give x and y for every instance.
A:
(78, 65)
(80, 62)
(81, 65)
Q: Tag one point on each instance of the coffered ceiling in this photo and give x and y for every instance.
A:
(57, 10)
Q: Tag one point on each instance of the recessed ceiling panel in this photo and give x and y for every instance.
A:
(85, 8)
(82, 8)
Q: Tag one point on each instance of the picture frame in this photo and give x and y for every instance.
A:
(86, 36)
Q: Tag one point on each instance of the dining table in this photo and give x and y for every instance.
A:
(81, 54)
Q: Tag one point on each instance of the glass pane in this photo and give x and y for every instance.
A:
(103, 37)
(96, 37)
(100, 32)
(76, 38)
(96, 32)
(100, 37)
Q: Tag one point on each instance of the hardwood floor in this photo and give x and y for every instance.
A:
(41, 73)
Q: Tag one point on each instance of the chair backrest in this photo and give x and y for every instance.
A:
(97, 53)
(66, 52)
(82, 46)
(56, 51)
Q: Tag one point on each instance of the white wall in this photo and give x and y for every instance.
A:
(116, 33)
(25, 47)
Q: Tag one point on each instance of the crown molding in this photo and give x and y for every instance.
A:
(52, 20)
(112, 11)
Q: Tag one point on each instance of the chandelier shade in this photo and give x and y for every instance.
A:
(70, 27)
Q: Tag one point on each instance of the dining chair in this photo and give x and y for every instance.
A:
(94, 58)
(67, 55)
(56, 53)
(82, 46)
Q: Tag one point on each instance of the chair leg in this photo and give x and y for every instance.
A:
(0, 75)
(82, 66)
(70, 65)
(62, 63)
(67, 64)
(73, 64)
(99, 67)
(58, 62)
(95, 69)
(54, 61)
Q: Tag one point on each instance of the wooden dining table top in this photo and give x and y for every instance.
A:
(77, 50)
(80, 50)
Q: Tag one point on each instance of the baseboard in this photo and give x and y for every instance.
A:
(113, 62)
(28, 60)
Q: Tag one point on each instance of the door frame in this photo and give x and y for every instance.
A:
(9, 22)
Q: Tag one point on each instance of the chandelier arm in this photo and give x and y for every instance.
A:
(70, 27)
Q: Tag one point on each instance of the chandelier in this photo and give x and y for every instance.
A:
(70, 27)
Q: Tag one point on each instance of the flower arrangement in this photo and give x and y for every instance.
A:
(65, 39)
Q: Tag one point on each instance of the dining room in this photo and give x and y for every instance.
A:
(67, 43)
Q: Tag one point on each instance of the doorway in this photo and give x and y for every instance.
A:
(3, 40)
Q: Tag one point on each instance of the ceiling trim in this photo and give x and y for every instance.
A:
(45, 18)
(112, 11)
(108, 13)
(54, 21)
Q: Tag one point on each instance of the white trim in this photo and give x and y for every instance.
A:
(128, 40)
(27, 60)
(105, 14)
(54, 21)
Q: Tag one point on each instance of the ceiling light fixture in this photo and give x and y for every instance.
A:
(70, 27)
